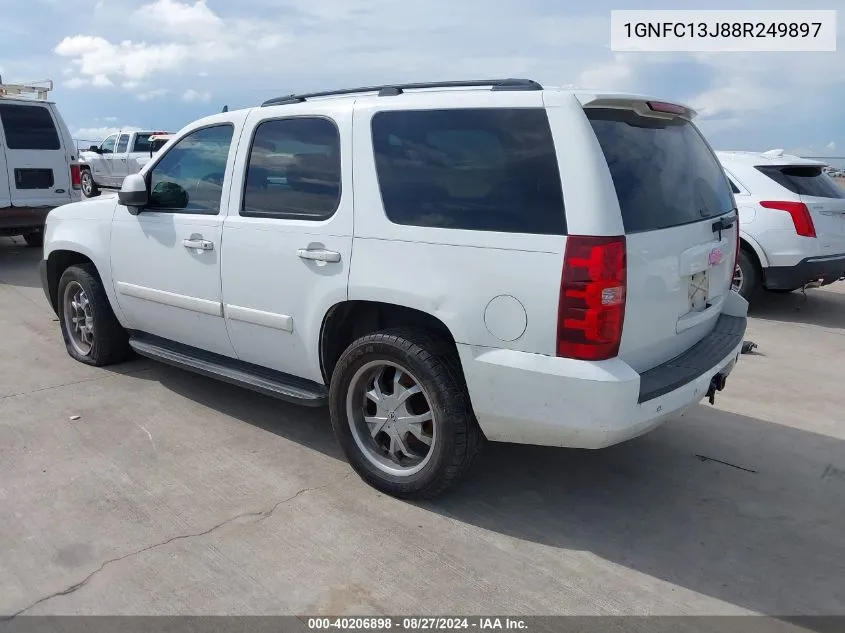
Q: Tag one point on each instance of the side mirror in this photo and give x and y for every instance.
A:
(94, 148)
(133, 194)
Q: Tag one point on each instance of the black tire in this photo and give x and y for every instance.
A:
(750, 275)
(89, 187)
(34, 238)
(110, 342)
(433, 361)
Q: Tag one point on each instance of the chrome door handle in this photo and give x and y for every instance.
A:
(319, 255)
(203, 245)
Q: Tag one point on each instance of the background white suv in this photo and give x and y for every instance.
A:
(436, 262)
(792, 221)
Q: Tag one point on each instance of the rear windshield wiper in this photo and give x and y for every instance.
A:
(724, 223)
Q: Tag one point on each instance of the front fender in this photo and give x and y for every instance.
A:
(87, 236)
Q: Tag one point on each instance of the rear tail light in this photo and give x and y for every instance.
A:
(592, 297)
(801, 217)
(736, 252)
(75, 176)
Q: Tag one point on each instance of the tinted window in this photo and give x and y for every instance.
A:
(189, 177)
(107, 146)
(122, 144)
(28, 127)
(664, 172)
(474, 169)
(142, 143)
(804, 180)
(293, 170)
(734, 188)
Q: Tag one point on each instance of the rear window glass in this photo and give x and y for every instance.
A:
(472, 169)
(142, 143)
(664, 172)
(28, 127)
(805, 180)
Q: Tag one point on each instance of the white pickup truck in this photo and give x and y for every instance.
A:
(121, 154)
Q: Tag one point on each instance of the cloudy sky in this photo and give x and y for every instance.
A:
(162, 63)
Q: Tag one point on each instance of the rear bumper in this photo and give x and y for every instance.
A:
(13, 219)
(828, 268)
(534, 399)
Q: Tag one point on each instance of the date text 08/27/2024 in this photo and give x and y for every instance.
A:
(416, 623)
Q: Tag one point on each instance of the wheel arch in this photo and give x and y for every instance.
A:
(60, 254)
(349, 320)
(58, 261)
(752, 246)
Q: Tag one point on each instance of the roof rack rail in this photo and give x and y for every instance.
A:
(17, 90)
(392, 90)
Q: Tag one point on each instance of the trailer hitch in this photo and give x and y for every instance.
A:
(717, 383)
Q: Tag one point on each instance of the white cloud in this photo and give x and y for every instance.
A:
(259, 48)
(179, 18)
(736, 97)
(101, 81)
(617, 74)
(93, 56)
(198, 35)
(192, 95)
(149, 95)
(74, 82)
(830, 146)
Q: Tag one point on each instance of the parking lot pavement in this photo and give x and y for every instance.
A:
(173, 493)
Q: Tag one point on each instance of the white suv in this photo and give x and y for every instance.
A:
(436, 262)
(792, 221)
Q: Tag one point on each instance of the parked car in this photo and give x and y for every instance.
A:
(792, 222)
(38, 162)
(406, 255)
(107, 164)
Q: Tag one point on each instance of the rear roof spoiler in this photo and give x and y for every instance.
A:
(639, 103)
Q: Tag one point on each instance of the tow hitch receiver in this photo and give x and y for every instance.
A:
(717, 383)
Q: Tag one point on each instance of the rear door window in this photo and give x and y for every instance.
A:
(122, 144)
(664, 171)
(29, 127)
(805, 180)
(472, 169)
(294, 170)
(142, 142)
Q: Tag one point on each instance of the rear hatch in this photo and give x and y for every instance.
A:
(37, 164)
(823, 197)
(675, 202)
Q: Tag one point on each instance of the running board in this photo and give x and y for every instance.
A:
(267, 382)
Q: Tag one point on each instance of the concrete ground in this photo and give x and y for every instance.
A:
(175, 494)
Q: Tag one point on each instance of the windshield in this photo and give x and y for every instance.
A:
(664, 171)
